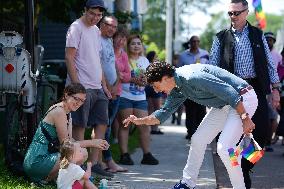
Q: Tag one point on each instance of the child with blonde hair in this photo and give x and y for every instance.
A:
(71, 175)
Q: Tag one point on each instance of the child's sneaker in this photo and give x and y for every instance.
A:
(181, 186)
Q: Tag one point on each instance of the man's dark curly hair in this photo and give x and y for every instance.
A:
(157, 70)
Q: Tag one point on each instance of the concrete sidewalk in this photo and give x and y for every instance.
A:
(171, 149)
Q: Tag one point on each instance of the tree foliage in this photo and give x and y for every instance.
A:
(273, 22)
(154, 21)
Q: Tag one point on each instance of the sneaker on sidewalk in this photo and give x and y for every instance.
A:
(181, 186)
(100, 172)
(125, 159)
(148, 159)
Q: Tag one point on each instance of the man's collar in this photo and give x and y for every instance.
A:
(235, 31)
(177, 80)
(198, 51)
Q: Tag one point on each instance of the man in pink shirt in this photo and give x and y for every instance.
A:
(83, 46)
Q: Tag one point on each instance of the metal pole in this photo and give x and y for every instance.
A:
(29, 46)
(169, 31)
(29, 29)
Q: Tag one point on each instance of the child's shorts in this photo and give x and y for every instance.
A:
(77, 185)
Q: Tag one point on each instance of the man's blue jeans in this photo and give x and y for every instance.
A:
(112, 111)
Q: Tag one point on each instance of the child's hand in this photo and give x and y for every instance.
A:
(100, 143)
(89, 165)
(88, 172)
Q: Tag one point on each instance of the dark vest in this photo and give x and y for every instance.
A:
(226, 40)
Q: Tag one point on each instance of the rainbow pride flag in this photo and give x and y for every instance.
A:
(259, 14)
(233, 157)
(251, 154)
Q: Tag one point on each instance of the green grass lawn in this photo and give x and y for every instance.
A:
(10, 181)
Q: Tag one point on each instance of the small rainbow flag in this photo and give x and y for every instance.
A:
(233, 157)
(259, 14)
(251, 154)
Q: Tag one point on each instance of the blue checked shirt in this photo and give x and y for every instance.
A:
(244, 62)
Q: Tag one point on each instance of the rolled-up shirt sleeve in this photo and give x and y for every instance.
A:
(214, 58)
(272, 70)
(172, 103)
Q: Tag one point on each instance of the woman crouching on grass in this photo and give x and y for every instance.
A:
(41, 162)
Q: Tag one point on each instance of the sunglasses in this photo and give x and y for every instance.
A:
(236, 13)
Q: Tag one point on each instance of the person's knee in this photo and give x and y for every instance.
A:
(222, 150)
(196, 139)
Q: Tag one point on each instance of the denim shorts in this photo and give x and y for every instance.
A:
(126, 103)
(94, 111)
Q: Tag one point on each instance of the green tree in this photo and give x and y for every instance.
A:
(273, 21)
(154, 21)
(218, 22)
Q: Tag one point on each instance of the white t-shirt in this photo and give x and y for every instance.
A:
(130, 90)
(67, 177)
(87, 41)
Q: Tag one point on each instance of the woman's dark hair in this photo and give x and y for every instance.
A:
(73, 88)
(121, 31)
(157, 70)
(150, 56)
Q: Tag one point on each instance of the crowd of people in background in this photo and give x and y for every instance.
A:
(106, 84)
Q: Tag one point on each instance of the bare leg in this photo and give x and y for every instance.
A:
(99, 134)
(87, 184)
(54, 172)
(123, 132)
(144, 134)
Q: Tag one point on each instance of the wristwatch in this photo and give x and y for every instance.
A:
(244, 116)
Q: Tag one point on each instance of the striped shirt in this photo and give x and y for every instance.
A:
(243, 61)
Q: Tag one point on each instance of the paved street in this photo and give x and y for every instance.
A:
(171, 149)
(267, 174)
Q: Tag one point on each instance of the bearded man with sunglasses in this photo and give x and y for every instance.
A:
(243, 50)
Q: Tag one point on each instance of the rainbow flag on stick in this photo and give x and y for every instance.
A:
(259, 14)
(253, 152)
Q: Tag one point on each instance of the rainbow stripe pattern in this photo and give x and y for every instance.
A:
(259, 14)
(251, 154)
(233, 157)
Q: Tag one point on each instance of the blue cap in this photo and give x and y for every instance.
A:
(95, 3)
